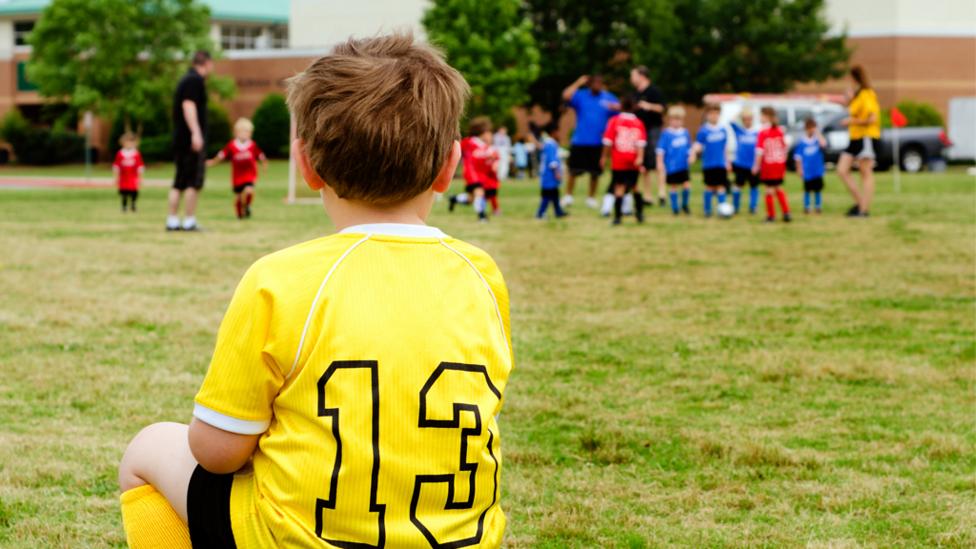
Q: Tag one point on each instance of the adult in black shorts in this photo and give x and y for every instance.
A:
(189, 142)
(650, 107)
(594, 107)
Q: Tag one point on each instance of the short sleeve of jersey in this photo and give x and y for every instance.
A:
(243, 378)
(662, 142)
(574, 101)
(226, 152)
(192, 89)
(760, 142)
(610, 132)
(700, 136)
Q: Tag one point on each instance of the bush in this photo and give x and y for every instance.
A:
(272, 126)
(219, 131)
(40, 146)
(918, 114)
(157, 148)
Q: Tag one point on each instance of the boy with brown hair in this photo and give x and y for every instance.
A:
(353, 394)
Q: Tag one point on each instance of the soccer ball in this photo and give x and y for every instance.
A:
(725, 210)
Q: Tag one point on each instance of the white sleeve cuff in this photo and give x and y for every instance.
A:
(659, 151)
(229, 424)
(607, 142)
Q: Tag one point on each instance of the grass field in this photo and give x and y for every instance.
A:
(690, 382)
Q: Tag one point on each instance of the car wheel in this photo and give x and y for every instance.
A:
(912, 160)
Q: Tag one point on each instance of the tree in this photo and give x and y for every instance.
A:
(272, 126)
(491, 43)
(116, 57)
(692, 47)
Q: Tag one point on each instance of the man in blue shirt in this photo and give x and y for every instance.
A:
(745, 156)
(594, 107)
(710, 142)
(551, 174)
(810, 164)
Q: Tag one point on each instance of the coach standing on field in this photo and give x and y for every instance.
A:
(650, 110)
(189, 142)
(594, 106)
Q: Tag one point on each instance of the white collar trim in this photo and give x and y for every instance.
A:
(395, 229)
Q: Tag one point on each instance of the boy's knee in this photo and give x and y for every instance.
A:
(139, 451)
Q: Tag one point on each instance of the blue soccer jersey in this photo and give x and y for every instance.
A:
(745, 146)
(675, 146)
(713, 140)
(810, 154)
(551, 166)
(592, 114)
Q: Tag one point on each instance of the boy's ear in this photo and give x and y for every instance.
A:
(311, 177)
(444, 177)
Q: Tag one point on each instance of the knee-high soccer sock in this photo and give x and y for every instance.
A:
(736, 198)
(818, 200)
(132, 204)
(721, 196)
(494, 204)
(708, 202)
(753, 198)
(783, 202)
(125, 201)
(685, 197)
(806, 200)
(675, 207)
(248, 199)
(238, 207)
(150, 521)
(639, 204)
(770, 206)
(618, 208)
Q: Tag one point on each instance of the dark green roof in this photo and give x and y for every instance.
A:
(257, 11)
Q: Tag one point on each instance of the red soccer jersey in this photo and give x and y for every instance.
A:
(483, 160)
(771, 143)
(626, 137)
(244, 156)
(129, 167)
(467, 162)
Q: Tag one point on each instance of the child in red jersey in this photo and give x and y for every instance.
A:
(128, 168)
(770, 164)
(623, 142)
(244, 155)
(486, 160)
(474, 186)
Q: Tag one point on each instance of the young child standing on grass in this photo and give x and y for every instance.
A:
(710, 143)
(521, 154)
(770, 164)
(551, 175)
(128, 168)
(473, 147)
(745, 157)
(244, 155)
(486, 160)
(349, 370)
(809, 159)
(673, 153)
(623, 143)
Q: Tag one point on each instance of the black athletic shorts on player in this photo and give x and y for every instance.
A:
(585, 159)
(189, 170)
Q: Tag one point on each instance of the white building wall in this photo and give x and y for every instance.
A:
(871, 18)
(320, 23)
(6, 39)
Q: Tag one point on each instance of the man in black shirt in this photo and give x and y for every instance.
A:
(650, 111)
(189, 142)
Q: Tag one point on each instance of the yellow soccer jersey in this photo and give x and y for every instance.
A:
(862, 106)
(373, 361)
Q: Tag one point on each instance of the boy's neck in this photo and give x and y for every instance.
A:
(349, 213)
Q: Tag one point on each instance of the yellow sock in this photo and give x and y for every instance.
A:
(150, 521)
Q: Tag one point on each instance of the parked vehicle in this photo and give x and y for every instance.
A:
(791, 109)
(917, 146)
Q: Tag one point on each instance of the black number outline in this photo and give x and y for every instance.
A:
(472, 468)
(374, 507)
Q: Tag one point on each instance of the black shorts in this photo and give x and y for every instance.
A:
(716, 177)
(128, 193)
(771, 182)
(628, 178)
(189, 170)
(470, 187)
(650, 151)
(490, 193)
(677, 178)
(585, 159)
(238, 189)
(866, 147)
(814, 185)
(208, 510)
(745, 175)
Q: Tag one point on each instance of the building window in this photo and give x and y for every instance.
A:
(279, 37)
(239, 37)
(22, 30)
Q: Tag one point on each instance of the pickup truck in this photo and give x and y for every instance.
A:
(916, 145)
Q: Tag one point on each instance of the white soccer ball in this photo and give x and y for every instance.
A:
(725, 210)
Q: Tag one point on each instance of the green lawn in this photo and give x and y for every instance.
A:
(689, 382)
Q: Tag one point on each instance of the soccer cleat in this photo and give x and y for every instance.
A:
(686, 210)
(615, 222)
(566, 201)
(607, 205)
(770, 219)
(640, 217)
(662, 202)
(591, 203)
(854, 211)
(787, 218)
(452, 203)
(806, 211)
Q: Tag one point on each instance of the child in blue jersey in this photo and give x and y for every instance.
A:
(745, 157)
(710, 143)
(551, 174)
(810, 164)
(673, 154)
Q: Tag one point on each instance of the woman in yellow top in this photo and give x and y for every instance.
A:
(864, 125)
